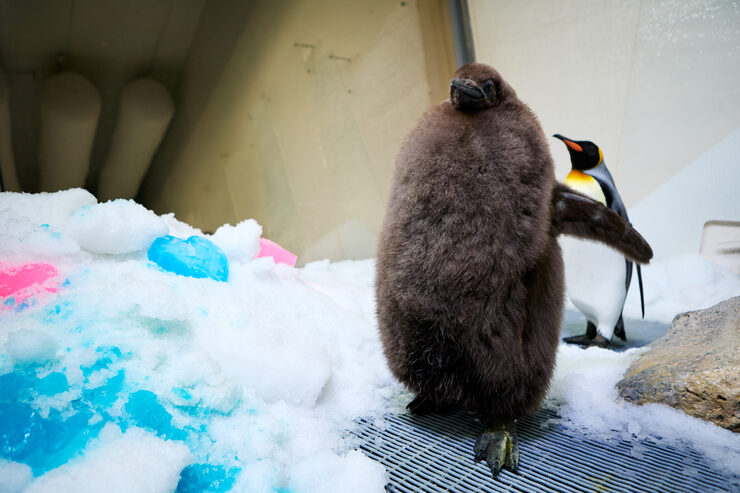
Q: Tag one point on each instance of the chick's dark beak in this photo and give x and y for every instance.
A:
(468, 88)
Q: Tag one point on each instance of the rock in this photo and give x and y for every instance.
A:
(695, 367)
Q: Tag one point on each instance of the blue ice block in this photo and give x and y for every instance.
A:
(194, 257)
(52, 384)
(146, 411)
(198, 478)
(43, 443)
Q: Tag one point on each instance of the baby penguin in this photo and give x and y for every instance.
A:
(469, 280)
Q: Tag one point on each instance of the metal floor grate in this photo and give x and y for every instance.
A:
(434, 453)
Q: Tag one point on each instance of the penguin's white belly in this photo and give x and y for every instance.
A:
(595, 277)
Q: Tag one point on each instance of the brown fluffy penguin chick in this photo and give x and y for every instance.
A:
(469, 280)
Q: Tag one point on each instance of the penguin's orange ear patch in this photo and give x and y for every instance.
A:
(573, 145)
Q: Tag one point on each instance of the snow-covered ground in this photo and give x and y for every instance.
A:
(118, 376)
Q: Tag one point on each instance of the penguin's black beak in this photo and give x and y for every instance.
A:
(468, 89)
(569, 143)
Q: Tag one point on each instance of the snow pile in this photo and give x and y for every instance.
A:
(144, 463)
(130, 378)
(583, 388)
(584, 395)
(120, 376)
(240, 242)
(108, 227)
(28, 346)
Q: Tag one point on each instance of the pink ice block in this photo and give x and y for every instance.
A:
(23, 281)
(279, 254)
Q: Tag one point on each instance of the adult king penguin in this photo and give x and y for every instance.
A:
(469, 280)
(596, 277)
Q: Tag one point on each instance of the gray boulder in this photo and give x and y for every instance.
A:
(695, 367)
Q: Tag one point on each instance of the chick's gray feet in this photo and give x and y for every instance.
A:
(499, 446)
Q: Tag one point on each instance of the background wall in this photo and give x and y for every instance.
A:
(287, 111)
(655, 83)
(110, 42)
(292, 111)
(299, 123)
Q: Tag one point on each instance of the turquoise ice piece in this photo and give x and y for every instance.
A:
(43, 443)
(194, 257)
(198, 478)
(52, 384)
(146, 411)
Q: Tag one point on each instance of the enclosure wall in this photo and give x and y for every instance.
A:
(292, 112)
(655, 83)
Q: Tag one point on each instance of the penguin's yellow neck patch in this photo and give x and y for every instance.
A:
(586, 184)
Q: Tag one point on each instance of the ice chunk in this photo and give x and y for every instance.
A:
(279, 254)
(328, 472)
(146, 411)
(52, 384)
(21, 239)
(27, 346)
(147, 297)
(240, 242)
(24, 281)
(41, 442)
(14, 279)
(115, 227)
(260, 477)
(14, 477)
(178, 228)
(296, 373)
(116, 462)
(30, 224)
(198, 478)
(194, 257)
(102, 396)
(45, 208)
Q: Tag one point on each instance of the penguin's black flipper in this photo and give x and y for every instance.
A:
(499, 446)
(577, 215)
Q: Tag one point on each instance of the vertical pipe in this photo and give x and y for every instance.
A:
(70, 106)
(8, 176)
(462, 33)
(145, 111)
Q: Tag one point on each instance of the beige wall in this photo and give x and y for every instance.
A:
(292, 111)
(656, 83)
(110, 42)
(300, 126)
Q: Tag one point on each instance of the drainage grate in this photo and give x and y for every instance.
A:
(434, 453)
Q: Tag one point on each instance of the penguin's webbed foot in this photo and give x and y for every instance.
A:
(499, 446)
(586, 341)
